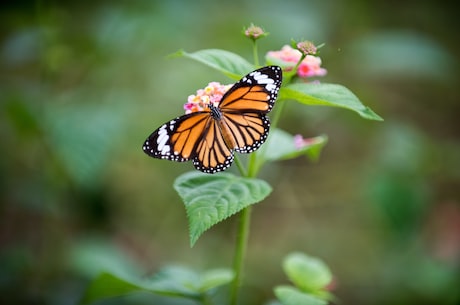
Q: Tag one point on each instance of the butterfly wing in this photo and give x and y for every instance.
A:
(212, 152)
(177, 139)
(255, 92)
(193, 136)
(244, 107)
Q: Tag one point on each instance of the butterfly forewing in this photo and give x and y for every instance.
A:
(256, 92)
(239, 124)
(176, 140)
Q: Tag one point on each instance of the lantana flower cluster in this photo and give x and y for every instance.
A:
(309, 67)
(212, 93)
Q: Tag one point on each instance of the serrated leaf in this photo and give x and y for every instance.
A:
(281, 145)
(292, 296)
(210, 199)
(309, 274)
(327, 95)
(231, 64)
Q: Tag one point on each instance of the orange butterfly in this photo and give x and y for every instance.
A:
(209, 137)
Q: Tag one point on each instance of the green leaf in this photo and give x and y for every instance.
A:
(210, 199)
(176, 281)
(281, 145)
(211, 279)
(173, 281)
(231, 64)
(292, 296)
(327, 95)
(309, 274)
(107, 285)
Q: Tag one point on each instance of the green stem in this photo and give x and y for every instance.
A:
(277, 113)
(205, 300)
(245, 217)
(241, 246)
(255, 54)
(299, 62)
(252, 165)
(242, 237)
(240, 166)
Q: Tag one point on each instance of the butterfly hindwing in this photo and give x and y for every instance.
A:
(212, 153)
(249, 130)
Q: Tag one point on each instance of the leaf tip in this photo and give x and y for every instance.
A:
(178, 53)
(369, 114)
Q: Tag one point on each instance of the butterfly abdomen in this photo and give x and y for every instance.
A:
(218, 116)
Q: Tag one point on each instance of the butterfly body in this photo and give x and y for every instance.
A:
(209, 137)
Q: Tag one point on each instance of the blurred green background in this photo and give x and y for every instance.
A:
(84, 83)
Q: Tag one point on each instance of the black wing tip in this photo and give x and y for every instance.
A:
(274, 70)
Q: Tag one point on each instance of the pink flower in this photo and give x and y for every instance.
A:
(309, 67)
(301, 142)
(212, 93)
(286, 54)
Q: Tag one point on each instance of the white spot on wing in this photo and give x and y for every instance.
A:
(162, 139)
(264, 79)
(165, 150)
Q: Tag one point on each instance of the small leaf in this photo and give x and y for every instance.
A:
(108, 285)
(211, 279)
(231, 64)
(292, 296)
(280, 145)
(210, 199)
(184, 280)
(327, 95)
(309, 274)
(173, 281)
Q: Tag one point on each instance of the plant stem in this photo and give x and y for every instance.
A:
(205, 300)
(245, 217)
(277, 113)
(242, 242)
(240, 167)
(255, 54)
(252, 166)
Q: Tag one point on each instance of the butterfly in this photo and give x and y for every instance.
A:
(210, 137)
